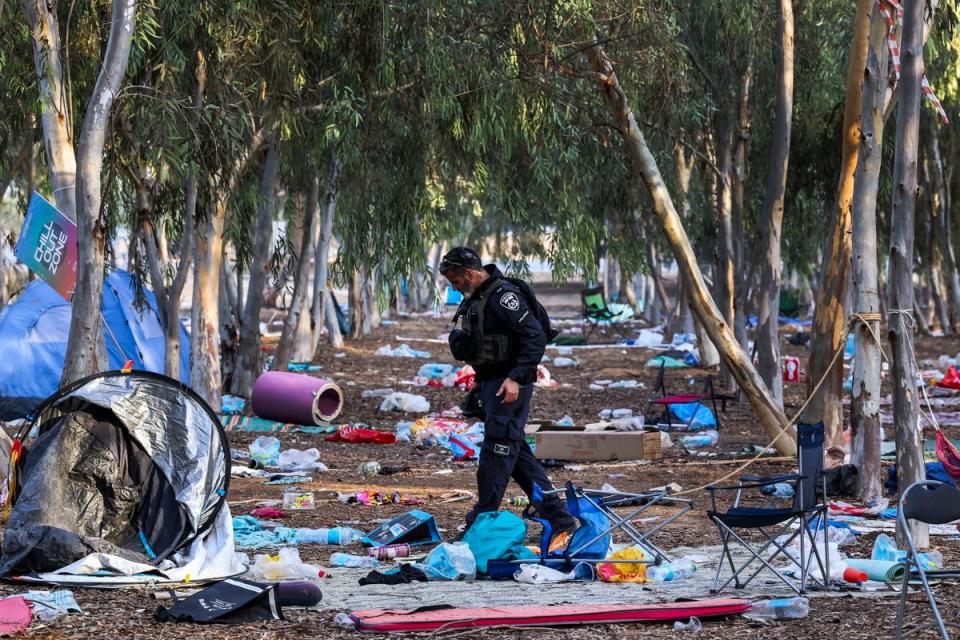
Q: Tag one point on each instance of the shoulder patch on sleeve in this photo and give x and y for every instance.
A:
(510, 301)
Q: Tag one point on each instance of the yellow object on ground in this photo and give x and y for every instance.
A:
(624, 571)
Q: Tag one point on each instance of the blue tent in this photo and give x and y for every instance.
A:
(33, 340)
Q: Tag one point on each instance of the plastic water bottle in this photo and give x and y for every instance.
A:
(704, 439)
(692, 625)
(353, 562)
(669, 571)
(781, 609)
(337, 535)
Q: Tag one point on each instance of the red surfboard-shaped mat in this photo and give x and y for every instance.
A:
(385, 620)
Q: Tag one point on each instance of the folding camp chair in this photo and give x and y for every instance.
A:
(664, 400)
(933, 503)
(599, 519)
(597, 314)
(805, 509)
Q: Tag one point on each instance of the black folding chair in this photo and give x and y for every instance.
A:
(933, 503)
(597, 314)
(805, 509)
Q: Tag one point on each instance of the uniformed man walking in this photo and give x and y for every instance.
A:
(498, 333)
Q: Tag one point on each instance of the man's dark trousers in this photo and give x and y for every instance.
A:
(505, 453)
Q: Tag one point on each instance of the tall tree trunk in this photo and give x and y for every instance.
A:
(769, 336)
(175, 291)
(86, 352)
(629, 293)
(435, 273)
(324, 313)
(742, 135)
(249, 361)
(830, 316)
(865, 426)
(903, 374)
(942, 229)
(293, 346)
(55, 110)
(726, 272)
(205, 376)
(354, 300)
(768, 413)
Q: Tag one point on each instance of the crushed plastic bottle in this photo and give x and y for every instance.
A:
(353, 561)
(344, 621)
(780, 609)
(285, 565)
(703, 439)
(692, 625)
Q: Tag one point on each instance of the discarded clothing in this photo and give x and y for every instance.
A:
(50, 605)
(15, 615)
(231, 601)
(262, 425)
(303, 366)
(288, 480)
(268, 512)
(404, 575)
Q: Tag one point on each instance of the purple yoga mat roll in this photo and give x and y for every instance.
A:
(297, 398)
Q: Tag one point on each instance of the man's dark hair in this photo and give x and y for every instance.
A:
(459, 259)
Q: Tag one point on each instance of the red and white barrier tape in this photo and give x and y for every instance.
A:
(885, 6)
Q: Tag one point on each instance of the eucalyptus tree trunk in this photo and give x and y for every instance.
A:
(626, 285)
(355, 302)
(683, 168)
(865, 425)
(768, 413)
(172, 346)
(742, 135)
(324, 313)
(205, 375)
(830, 320)
(86, 352)
(903, 373)
(769, 335)
(726, 272)
(435, 273)
(248, 363)
(942, 230)
(55, 111)
(294, 345)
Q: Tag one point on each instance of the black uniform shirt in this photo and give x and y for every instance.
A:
(508, 313)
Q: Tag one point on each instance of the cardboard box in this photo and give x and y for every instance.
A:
(573, 443)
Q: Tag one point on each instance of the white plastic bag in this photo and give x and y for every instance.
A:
(540, 574)
(406, 402)
(285, 565)
(265, 450)
(296, 460)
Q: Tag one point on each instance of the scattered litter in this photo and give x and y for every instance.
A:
(284, 479)
(361, 433)
(780, 490)
(231, 405)
(703, 439)
(403, 351)
(376, 393)
(565, 362)
(693, 625)
(352, 561)
(268, 512)
(406, 402)
(48, 605)
(285, 565)
(565, 421)
(781, 609)
(297, 500)
(544, 379)
(265, 450)
(303, 366)
(296, 460)
(374, 499)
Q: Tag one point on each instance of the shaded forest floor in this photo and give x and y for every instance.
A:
(128, 613)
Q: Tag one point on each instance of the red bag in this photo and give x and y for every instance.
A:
(363, 435)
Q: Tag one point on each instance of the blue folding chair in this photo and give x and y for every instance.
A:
(933, 503)
(771, 523)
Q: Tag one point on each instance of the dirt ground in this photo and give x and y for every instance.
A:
(128, 613)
